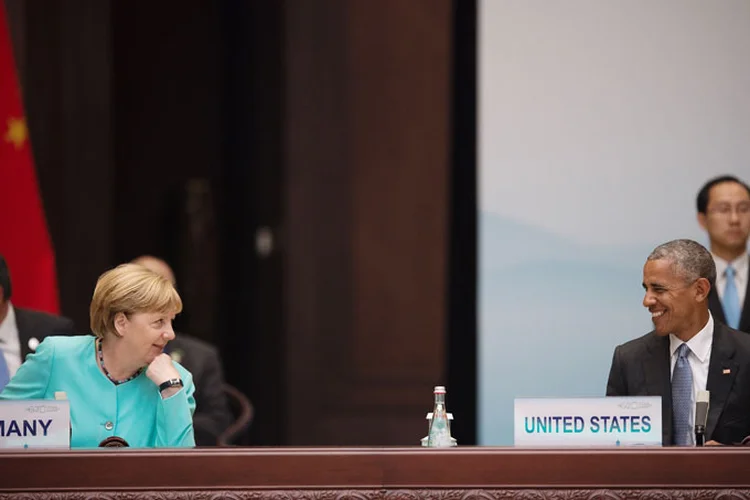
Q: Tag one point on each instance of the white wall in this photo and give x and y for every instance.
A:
(599, 120)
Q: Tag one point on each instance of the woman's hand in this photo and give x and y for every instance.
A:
(160, 370)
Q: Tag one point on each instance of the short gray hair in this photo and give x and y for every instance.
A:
(690, 260)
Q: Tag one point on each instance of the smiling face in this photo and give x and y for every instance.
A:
(145, 333)
(677, 305)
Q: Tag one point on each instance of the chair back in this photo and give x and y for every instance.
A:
(243, 411)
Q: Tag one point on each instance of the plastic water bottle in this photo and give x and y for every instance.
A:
(62, 396)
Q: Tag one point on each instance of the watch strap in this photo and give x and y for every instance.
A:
(170, 383)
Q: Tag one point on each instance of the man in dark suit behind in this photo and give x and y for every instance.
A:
(212, 415)
(21, 330)
(724, 213)
(677, 279)
(201, 359)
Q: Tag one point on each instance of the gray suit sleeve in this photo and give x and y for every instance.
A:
(212, 413)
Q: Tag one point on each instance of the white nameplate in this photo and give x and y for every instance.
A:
(35, 424)
(611, 421)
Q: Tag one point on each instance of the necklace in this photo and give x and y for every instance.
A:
(104, 368)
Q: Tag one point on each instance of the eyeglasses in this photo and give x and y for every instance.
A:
(725, 209)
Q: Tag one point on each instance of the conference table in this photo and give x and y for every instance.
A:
(377, 473)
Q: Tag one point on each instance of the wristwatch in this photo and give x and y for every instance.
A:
(172, 382)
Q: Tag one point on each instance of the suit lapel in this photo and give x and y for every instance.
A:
(24, 332)
(722, 370)
(714, 304)
(745, 315)
(656, 370)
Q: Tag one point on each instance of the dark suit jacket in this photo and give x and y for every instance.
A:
(714, 304)
(38, 325)
(641, 367)
(212, 414)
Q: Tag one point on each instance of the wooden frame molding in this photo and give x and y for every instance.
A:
(377, 473)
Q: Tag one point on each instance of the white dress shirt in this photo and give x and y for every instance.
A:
(698, 357)
(10, 345)
(740, 265)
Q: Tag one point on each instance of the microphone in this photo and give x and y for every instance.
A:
(114, 442)
(701, 416)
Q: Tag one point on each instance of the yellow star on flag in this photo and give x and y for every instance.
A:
(17, 132)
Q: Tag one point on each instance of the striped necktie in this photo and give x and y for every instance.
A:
(4, 373)
(682, 398)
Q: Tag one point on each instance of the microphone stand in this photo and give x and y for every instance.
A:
(700, 435)
(702, 401)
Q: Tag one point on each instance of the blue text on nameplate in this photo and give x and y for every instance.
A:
(609, 421)
(35, 424)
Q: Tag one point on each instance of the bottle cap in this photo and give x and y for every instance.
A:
(439, 389)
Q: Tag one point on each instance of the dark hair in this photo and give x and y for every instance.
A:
(5, 278)
(690, 260)
(702, 200)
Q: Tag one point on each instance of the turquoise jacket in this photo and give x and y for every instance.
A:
(134, 410)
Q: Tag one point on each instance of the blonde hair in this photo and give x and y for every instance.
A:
(130, 288)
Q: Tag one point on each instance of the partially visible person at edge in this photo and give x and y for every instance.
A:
(21, 330)
(119, 381)
(724, 212)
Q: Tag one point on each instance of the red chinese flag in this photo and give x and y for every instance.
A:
(24, 240)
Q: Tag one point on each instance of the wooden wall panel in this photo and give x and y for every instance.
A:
(317, 269)
(367, 163)
(169, 122)
(400, 192)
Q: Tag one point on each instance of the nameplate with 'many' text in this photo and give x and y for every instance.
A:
(35, 424)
